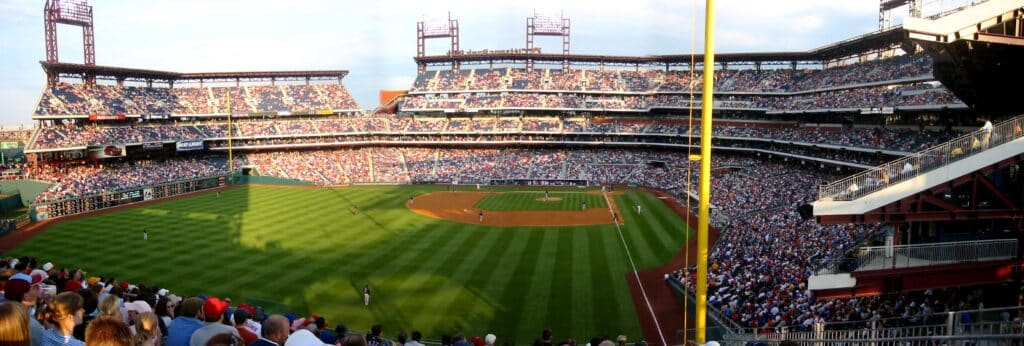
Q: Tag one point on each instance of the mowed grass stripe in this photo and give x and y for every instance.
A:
(602, 277)
(302, 249)
(490, 252)
(539, 293)
(514, 297)
(561, 287)
(617, 270)
(638, 229)
(581, 285)
(498, 283)
(447, 252)
(459, 269)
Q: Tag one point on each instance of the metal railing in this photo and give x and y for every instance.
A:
(920, 255)
(999, 326)
(905, 168)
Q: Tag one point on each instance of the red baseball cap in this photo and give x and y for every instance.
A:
(214, 307)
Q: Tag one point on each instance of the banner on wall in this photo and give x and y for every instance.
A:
(107, 151)
(102, 117)
(189, 145)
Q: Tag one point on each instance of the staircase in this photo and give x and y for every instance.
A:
(405, 168)
(369, 161)
(211, 101)
(565, 166)
(437, 157)
(286, 97)
(323, 98)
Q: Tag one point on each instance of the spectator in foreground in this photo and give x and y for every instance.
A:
(111, 307)
(354, 340)
(108, 331)
(213, 314)
(303, 337)
(65, 312)
(147, 328)
(323, 332)
(241, 317)
(17, 290)
(415, 339)
(373, 337)
(14, 329)
(544, 339)
(179, 333)
(275, 331)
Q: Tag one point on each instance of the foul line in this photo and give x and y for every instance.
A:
(631, 263)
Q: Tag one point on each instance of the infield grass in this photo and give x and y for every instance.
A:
(311, 250)
(528, 200)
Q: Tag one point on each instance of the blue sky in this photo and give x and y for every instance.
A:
(376, 40)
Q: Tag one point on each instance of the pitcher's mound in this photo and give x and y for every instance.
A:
(549, 199)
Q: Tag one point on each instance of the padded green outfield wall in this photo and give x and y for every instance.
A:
(257, 179)
(28, 189)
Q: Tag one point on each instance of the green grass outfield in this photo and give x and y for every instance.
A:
(527, 200)
(304, 249)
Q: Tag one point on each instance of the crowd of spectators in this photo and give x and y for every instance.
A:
(400, 165)
(652, 80)
(866, 97)
(760, 264)
(44, 304)
(67, 136)
(321, 167)
(89, 179)
(759, 267)
(108, 100)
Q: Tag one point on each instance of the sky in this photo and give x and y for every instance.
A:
(376, 40)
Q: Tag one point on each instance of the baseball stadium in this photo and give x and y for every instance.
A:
(868, 191)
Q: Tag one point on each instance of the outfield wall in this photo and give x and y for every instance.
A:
(78, 205)
(261, 179)
(28, 189)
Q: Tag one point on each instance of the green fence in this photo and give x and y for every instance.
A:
(259, 179)
(713, 330)
(28, 189)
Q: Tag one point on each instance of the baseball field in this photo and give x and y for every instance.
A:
(507, 261)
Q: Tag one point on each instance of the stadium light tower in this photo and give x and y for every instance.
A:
(545, 24)
(70, 12)
(437, 28)
(885, 8)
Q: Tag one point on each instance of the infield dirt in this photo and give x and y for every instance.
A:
(460, 207)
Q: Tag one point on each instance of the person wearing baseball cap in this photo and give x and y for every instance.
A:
(213, 314)
(17, 290)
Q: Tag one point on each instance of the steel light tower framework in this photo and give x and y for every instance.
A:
(429, 30)
(70, 12)
(885, 8)
(547, 25)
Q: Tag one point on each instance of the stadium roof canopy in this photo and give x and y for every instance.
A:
(843, 49)
(133, 74)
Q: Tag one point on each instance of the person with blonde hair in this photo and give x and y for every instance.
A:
(108, 331)
(111, 307)
(147, 330)
(65, 312)
(14, 325)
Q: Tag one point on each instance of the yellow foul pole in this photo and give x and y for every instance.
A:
(231, 160)
(703, 207)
